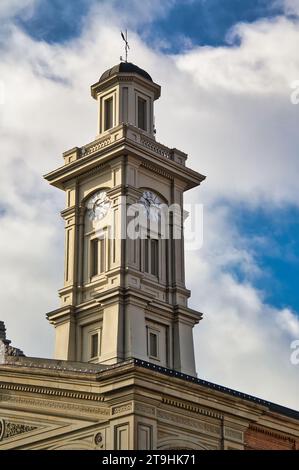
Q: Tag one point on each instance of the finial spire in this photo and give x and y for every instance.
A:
(127, 47)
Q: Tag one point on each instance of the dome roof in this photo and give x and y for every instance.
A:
(125, 67)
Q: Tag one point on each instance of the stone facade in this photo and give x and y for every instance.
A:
(48, 404)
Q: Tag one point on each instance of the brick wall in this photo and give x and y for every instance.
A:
(258, 438)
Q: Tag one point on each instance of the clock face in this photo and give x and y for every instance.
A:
(98, 205)
(152, 204)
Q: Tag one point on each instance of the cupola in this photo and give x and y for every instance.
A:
(125, 94)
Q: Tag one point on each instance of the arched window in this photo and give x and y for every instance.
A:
(152, 205)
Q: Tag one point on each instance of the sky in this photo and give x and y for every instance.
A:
(226, 68)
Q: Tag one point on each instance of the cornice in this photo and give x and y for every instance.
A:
(160, 158)
(187, 314)
(271, 433)
(69, 212)
(62, 313)
(51, 392)
(191, 408)
(118, 77)
(122, 371)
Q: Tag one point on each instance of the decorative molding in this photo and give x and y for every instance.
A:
(165, 435)
(192, 408)
(180, 442)
(9, 429)
(124, 79)
(54, 405)
(122, 409)
(156, 170)
(95, 146)
(99, 440)
(266, 405)
(155, 147)
(191, 423)
(144, 436)
(146, 409)
(233, 434)
(91, 172)
(2, 428)
(271, 433)
(52, 392)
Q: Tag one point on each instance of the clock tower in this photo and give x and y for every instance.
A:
(124, 375)
(124, 293)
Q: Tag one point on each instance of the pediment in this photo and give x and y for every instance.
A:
(10, 429)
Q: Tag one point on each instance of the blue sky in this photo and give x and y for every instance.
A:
(56, 21)
(274, 236)
(202, 22)
(207, 22)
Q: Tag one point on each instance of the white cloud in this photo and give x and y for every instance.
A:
(230, 110)
(291, 7)
(9, 8)
(248, 69)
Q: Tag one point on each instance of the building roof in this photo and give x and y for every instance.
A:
(87, 368)
(244, 396)
(125, 67)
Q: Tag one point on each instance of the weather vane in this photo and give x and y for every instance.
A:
(127, 47)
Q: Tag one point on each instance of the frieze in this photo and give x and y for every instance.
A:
(191, 423)
(142, 408)
(91, 172)
(233, 434)
(55, 405)
(122, 409)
